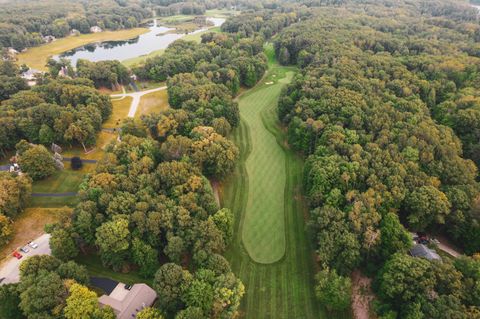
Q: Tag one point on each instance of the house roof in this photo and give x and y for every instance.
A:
(421, 250)
(126, 303)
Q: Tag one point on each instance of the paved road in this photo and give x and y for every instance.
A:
(10, 269)
(136, 98)
(4, 167)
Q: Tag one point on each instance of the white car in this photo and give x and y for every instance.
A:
(24, 249)
(33, 245)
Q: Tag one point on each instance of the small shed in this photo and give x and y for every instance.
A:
(420, 250)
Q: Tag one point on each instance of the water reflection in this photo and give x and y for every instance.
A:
(157, 38)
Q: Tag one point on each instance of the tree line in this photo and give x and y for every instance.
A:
(375, 109)
(23, 24)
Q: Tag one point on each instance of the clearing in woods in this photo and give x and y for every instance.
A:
(278, 271)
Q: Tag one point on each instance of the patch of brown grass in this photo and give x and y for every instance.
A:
(29, 225)
(155, 102)
(119, 112)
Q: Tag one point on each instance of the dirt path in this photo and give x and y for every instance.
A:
(362, 295)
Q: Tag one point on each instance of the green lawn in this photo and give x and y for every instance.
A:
(62, 181)
(283, 289)
(96, 269)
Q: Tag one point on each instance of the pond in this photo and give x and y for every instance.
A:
(159, 37)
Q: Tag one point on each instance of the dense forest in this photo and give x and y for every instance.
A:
(64, 111)
(377, 112)
(384, 108)
(23, 24)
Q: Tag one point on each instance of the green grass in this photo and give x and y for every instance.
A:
(221, 13)
(96, 269)
(283, 289)
(53, 202)
(62, 181)
(263, 233)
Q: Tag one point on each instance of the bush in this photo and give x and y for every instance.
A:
(76, 163)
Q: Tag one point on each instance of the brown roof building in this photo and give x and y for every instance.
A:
(126, 303)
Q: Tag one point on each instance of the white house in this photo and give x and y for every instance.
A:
(30, 76)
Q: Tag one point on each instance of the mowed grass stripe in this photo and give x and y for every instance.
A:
(283, 289)
(264, 229)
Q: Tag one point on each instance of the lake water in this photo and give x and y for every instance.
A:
(153, 40)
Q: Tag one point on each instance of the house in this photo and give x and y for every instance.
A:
(420, 250)
(9, 54)
(126, 301)
(95, 29)
(48, 38)
(12, 51)
(30, 76)
(63, 72)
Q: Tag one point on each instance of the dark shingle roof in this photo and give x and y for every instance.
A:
(421, 250)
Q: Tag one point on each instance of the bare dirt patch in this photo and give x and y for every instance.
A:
(362, 295)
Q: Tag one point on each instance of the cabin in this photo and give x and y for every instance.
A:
(420, 250)
(31, 76)
(126, 301)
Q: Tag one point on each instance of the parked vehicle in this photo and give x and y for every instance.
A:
(17, 255)
(32, 244)
(128, 287)
(24, 249)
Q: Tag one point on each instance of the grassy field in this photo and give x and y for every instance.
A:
(62, 181)
(103, 139)
(37, 57)
(283, 289)
(96, 269)
(119, 112)
(155, 102)
(29, 225)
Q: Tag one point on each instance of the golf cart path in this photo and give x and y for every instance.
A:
(136, 96)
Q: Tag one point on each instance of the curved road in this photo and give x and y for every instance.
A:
(136, 96)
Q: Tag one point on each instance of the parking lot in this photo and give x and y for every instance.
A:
(9, 270)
